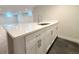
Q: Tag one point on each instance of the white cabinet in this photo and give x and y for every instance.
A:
(37, 42)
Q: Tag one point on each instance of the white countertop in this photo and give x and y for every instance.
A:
(21, 29)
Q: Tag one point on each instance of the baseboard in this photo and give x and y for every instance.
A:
(69, 38)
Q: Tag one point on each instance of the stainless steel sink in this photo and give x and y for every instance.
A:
(43, 23)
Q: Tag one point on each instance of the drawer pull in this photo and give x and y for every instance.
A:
(39, 43)
(51, 32)
(38, 35)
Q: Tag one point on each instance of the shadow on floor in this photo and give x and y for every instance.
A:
(62, 46)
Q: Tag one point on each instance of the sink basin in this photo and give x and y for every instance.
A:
(43, 23)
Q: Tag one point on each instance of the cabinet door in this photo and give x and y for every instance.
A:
(53, 34)
(31, 46)
(34, 46)
(46, 37)
(40, 46)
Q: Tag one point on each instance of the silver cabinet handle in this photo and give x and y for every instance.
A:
(39, 43)
(56, 28)
(37, 35)
(51, 32)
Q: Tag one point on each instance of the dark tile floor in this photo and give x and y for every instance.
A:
(62, 46)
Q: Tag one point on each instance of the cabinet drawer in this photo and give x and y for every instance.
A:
(34, 35)
(50, 27)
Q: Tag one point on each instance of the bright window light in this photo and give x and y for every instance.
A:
(30, 13)
(8, 14)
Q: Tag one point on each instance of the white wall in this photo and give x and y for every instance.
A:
(46, 12)
(68, 17)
